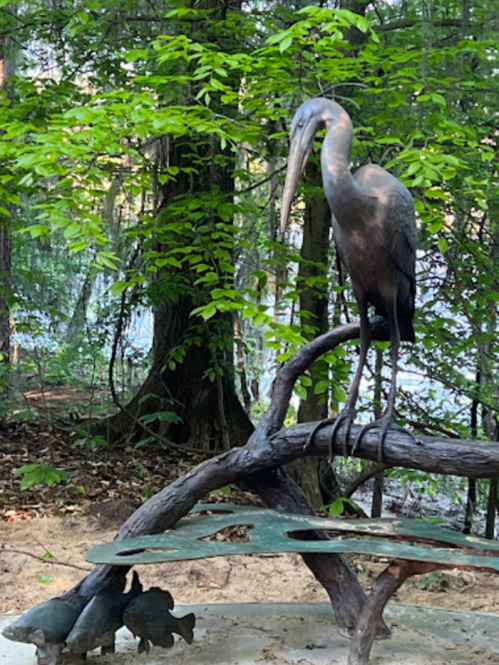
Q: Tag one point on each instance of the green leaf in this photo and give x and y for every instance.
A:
(119, 287)
(336, 508)
(39, 474)
(36, 230)
(413, 168)
(107, 259)
(46, 579)
(442, 244)
(285, 43)
(435, 227)
(208, 312)
(321, 387)
(300, 391)
(339, 394)
(78, 246)
(438, 99)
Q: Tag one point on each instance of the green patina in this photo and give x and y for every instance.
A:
(272, 532)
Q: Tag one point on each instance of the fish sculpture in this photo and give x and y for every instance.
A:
(102, 617)
(47, 626)
(148, 616)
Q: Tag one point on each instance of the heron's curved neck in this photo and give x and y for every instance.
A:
(348, 202)
(335, 154)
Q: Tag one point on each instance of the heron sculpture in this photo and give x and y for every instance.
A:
(374, 230)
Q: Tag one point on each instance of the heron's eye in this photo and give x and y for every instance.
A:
(300, 124)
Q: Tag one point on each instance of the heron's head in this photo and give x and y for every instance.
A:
(313, 115)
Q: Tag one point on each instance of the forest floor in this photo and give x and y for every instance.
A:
(45, 532)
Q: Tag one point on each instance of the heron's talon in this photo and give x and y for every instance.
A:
(346, 417)
(385, 423)
(320, 425)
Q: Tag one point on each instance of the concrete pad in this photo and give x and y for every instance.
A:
(300, 634)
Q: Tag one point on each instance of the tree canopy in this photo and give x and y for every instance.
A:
(143, 145)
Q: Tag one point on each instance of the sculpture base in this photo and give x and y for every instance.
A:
(297, 633)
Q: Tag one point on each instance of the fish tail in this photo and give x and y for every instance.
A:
(186, 627)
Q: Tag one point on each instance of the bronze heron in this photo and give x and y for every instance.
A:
(374, 230)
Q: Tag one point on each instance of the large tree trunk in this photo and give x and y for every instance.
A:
(77, 322)
(211, 418)
(313, 312)
(191, 384)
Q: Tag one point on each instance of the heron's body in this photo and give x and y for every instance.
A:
(376, 253)
(373, 226)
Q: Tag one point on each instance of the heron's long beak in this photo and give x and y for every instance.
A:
(301, 145)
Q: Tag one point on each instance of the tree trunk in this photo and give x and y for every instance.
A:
(191, 383)
(192, 407)
(490, 522)
(489, 424)
(313, 312)
(7, 71)
(78, 318)
(241, 364)
(472, 483)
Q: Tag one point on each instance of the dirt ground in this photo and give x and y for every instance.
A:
(45, 532)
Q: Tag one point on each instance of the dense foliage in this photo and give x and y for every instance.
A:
(143, 146)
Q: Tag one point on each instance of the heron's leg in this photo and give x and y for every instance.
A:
(387, 421)
(347, 415)
(394, 353)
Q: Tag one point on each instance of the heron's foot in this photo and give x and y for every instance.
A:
(346, 418)
(387, 422)
(320, 425)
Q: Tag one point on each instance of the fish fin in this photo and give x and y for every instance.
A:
(136, 587)
(108, 639)
(161, 595)
(169, 600)
(115, 586)
(81, 643)
(37, 637)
